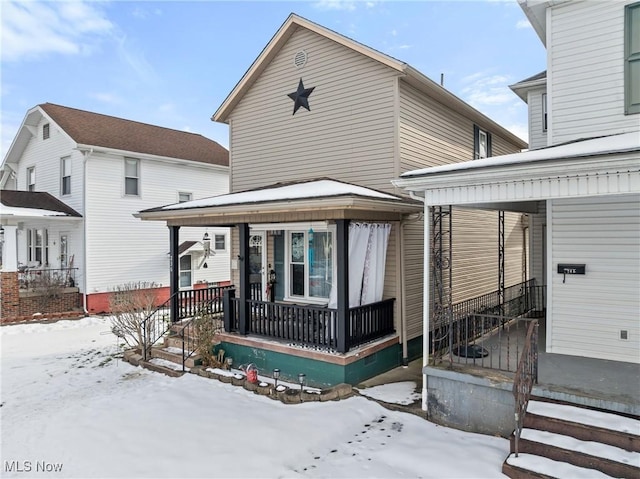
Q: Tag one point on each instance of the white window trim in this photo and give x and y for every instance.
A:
(182, 193)
(28, 171)
(215, 248)
(303, 228)
(190, 270)
(124, 183)
(46, 131)
(62, 175)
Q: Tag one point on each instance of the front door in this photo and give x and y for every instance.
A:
(257, 268)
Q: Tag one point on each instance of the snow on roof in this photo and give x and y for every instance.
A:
(296, 191)
(31, 212)
(620, 143)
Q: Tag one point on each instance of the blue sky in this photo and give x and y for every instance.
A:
(173, 63)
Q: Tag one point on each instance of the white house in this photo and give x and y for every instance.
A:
(103, 169)
(580, 183)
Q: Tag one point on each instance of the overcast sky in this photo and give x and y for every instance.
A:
(173, 63)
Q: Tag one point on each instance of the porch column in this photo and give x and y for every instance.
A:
(10, 248)
(174, 271)
(426, 302)
(342, 290)
(243, 265)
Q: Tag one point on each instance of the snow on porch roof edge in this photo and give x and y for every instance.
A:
(619, 143)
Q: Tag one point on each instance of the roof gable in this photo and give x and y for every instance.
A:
(407, 73)
(103, 131)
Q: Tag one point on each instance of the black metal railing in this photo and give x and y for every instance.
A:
(155, 326)
(192, 301)
(189, 341)
(370, 321)
(38, 278)
(526, 376)
(308, 324)
(255, 291)
(486, 332)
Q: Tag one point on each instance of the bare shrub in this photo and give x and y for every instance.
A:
(205, 326)
(48, 287)
(130, 304)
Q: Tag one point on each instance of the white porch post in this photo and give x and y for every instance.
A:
(10, 248)
(426, 305)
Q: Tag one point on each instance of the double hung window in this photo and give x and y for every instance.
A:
(481, 143)
(632, 58)
(65, 173)
(131, 176)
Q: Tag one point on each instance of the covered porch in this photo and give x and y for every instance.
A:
(310, 263)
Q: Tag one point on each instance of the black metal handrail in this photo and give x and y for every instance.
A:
(370, 321)
(526, 376)
(156, 325)
(189, 341)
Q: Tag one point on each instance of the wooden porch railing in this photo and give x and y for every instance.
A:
(310, 325)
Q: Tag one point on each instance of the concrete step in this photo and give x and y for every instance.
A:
(584, 424)
(531, 466)
(175, 356)
(610, 460)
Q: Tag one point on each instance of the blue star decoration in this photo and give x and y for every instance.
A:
(300, 97)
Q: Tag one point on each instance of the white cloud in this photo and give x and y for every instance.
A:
(348, 5)
(520, 130)
(33, 29)
(109, 98)
(523, 24)
(481, 89)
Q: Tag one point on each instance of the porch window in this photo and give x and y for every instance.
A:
(131, 176)
(65, 172)
(185, 271)
(37, 246)
(632, 59)
(31, 179)
(310, 264)
(481, 143)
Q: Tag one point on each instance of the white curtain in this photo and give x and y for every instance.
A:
(374, 270)
(367, 257)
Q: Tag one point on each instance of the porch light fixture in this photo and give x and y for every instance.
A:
(206, 244)
(301, 378)
(276, 375)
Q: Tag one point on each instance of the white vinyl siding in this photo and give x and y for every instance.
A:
(537, 130)
(589, 311)
(137, 250)
(586, 62)
(347, 135)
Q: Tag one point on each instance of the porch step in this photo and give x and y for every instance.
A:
(174, 355)
(560, 440)
(584, 423)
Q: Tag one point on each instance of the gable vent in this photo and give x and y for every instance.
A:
(300, 59)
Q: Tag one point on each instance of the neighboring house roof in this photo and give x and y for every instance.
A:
(604, 145)
(34, 203)
(535, 81)
(95, 130)
(291, 198)
(185, 245)
(410, 74)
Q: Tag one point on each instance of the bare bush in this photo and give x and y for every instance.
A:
(205, 328)
(130, 304)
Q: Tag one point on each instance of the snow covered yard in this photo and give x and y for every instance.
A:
(69, 404)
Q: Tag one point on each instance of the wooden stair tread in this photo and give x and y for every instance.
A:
(545, 467)
(585, 416)
(592, 448)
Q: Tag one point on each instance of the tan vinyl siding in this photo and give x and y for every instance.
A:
(347, 135)
(413, 276)
(590, 310)
(537, 243)
(431, 134)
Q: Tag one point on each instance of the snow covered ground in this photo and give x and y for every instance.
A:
(69, 404)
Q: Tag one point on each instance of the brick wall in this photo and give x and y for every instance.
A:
(22, 305)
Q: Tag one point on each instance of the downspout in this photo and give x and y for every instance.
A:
(426, 300)
(403, 302)
(87, 154)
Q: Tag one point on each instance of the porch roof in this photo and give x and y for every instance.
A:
(313, 200)
(34, 204)
(591, 167)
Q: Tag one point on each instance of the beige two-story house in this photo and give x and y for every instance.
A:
(326, 253)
